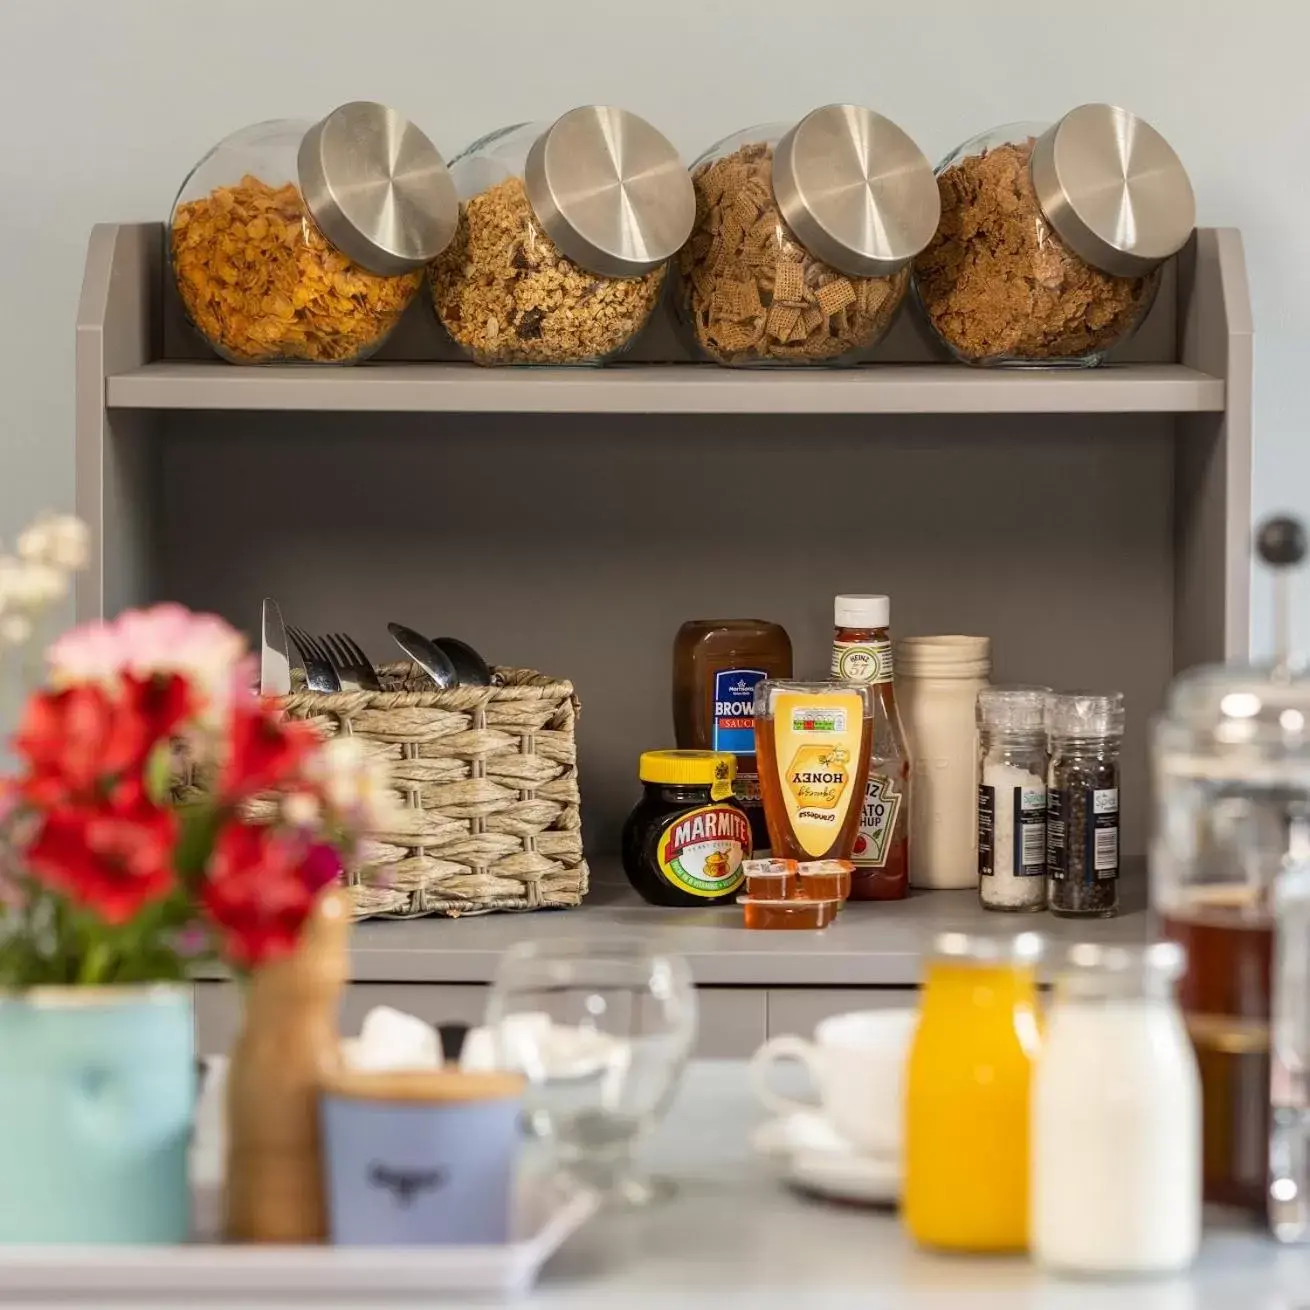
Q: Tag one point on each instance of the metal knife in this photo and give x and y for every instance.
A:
(274, 664)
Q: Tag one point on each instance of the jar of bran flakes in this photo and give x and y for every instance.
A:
(1051, 238)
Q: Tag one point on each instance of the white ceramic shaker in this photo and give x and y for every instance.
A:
(1116, 1118)
(937, 684)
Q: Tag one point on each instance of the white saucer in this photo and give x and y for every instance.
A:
(812, 1156)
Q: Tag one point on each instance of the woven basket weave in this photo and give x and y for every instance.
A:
(490, 779)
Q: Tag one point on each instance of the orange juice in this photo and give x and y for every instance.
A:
(966, 1126)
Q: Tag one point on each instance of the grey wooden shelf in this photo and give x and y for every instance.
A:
(667, 389)
(1094, 523)
(874, 944)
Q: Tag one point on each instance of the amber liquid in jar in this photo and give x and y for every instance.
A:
(782, 837)
(717, 664)
(1225, 996)
(882, 844)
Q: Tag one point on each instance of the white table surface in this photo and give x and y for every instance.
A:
(735, 1236)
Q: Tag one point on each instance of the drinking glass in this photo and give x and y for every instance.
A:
(602, 1031)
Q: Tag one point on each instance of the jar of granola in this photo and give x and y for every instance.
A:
(804, 236)
(1052, 238)
(296, 241)
(565, 232)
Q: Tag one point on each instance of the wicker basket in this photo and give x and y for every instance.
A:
(491, 783)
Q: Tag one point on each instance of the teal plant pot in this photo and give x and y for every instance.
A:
(97, 1089)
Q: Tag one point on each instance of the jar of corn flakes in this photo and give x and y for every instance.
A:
(803, 240)
(305, 242)
(1052, 238)
(565, 232)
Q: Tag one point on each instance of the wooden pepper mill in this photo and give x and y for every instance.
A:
(289, 1041)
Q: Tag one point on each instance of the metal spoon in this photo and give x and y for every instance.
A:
(471, 668)
(435, 663)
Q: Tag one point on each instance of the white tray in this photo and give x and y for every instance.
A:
(546, 1216)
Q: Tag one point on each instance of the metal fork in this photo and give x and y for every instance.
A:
(352, 665)
(319, 673)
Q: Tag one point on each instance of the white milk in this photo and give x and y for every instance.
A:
(1116, 1139)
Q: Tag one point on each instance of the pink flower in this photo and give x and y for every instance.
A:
(208, 652)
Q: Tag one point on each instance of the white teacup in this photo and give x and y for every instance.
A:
(856, 1062)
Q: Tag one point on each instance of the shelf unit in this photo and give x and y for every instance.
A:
(1095, 523)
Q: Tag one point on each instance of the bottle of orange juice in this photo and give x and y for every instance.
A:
(966, 1126)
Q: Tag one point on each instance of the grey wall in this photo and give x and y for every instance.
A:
(108, 103)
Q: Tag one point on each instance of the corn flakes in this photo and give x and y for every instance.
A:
(262, 283)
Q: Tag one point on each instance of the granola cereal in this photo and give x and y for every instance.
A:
(506, 294)
(262, 283)
(751, 292)
(998, 284)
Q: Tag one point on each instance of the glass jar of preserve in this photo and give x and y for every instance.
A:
(717, 664)
(1052, 238)
(565, 232)
(688, 837)
(305, 242)
(804, 235)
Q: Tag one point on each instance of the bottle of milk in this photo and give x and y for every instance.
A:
(1116, 1118)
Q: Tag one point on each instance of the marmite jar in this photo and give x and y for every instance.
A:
(565, 232)
(687, 838)
(1051, 238)
(803, 240)
(297, 241)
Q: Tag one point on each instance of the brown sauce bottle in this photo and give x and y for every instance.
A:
(717, 664)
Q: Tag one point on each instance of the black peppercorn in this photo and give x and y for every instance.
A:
(1082, 817)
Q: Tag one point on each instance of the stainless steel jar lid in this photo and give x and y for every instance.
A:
(1113, 189)
(856, 190)
(377, 188)
(610, 191)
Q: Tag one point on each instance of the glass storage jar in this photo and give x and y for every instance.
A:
(804, 235)
(1231, 765)
(1052, 237)
(297, 241)
(565, 233)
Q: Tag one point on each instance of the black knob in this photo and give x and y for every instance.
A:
(452, 1040)
(1281, 542)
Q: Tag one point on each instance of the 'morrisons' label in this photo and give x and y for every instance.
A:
(734, 710)
(702, 851)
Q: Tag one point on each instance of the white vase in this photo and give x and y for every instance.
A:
(937, 685)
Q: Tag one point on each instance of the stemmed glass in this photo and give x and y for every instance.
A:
(603, 1031)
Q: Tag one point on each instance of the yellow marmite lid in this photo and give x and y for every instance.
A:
(689, 768)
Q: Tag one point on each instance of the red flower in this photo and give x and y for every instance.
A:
(113, 857)
(80, 742)
(266, 751)
(260, 890)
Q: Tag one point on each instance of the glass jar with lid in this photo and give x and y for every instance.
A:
(1231, 762)
(1052, 238)
(305, 242)
(803, 240)
(565, 233)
